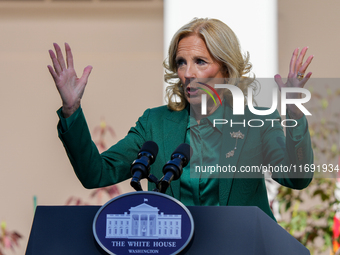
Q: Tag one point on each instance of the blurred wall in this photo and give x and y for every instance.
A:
(123, 41)
(310, 23)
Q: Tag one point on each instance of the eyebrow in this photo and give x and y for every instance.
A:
(195, 57)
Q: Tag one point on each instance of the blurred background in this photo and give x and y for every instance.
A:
(126, 43)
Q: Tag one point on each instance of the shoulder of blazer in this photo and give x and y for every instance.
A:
(163, 112)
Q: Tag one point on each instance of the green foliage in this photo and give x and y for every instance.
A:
(309, 223)
(310, 211)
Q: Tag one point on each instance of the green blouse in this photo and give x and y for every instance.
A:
(201, 188)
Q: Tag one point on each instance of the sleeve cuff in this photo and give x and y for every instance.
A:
(66, 123)
(298, 132)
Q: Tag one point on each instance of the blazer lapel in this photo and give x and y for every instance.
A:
(174, 128)
(229, 155)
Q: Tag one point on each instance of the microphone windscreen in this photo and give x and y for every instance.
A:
(151, 147)
(184, 149)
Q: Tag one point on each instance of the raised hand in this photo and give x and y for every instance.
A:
(70, 87)
(296, 78)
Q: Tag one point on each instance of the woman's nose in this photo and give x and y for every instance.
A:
(190, 72)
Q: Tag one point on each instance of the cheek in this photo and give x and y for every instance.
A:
(180, 74)
(210, 72)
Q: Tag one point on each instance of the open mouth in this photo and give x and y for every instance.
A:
(192, 91)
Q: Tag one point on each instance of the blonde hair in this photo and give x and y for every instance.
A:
(222, 44)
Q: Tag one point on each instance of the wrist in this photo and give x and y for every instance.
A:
(69, 110)
(294, 112)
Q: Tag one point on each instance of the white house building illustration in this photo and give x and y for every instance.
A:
(145, 222)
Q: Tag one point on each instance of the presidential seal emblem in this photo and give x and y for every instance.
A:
(143, 222)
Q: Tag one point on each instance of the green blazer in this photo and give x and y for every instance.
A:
(261, 145)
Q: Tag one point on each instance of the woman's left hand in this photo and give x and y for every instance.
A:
(296, 79)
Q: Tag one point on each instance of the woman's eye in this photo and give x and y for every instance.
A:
(180, 62)
(200, 62)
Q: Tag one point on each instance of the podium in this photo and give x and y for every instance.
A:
(221, 230)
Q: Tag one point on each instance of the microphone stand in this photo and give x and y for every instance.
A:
(153, 179)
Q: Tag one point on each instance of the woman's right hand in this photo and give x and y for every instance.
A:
(70, 87)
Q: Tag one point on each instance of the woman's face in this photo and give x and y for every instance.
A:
(194, 61)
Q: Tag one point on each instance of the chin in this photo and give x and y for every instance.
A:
(194, 100)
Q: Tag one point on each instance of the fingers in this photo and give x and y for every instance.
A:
(301, 68)
(55, 62)
(300, 59)
(58, 60)
(59, 71)
(53, 73)
(86, 74)
(69, 57)
(292, 66)
(278, 81)
(60, 57)
(297, 68)
(305, 79)
(304, 67)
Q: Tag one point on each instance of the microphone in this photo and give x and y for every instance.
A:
(173, 169)
(140, 168)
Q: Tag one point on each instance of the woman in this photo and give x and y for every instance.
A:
(202, 51)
